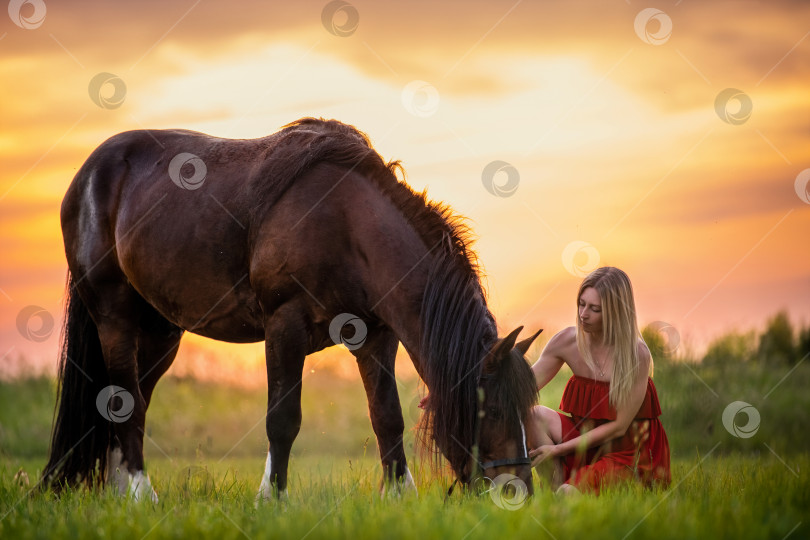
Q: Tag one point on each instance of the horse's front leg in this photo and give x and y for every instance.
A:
(375, 358)
(286, 339)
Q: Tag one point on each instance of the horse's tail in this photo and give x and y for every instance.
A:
(81, 435)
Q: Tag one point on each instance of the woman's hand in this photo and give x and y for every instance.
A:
(542, 453)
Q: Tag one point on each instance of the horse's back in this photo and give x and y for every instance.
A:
(131, 216)
(189, 243)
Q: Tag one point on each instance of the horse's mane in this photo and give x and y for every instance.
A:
(458, 328)
(304, 143)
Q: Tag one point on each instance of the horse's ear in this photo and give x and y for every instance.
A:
(500, 351)
(524, 345)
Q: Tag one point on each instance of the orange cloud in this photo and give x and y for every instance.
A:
(617, 143)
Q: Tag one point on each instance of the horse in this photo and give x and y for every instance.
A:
(303, 239)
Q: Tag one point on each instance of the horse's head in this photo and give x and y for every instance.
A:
(506, 393)
(480, 398)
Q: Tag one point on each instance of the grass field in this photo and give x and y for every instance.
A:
(206, 446)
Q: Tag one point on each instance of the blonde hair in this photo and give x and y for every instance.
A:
(619, 329)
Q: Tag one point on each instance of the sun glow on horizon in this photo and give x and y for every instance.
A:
(618, 144)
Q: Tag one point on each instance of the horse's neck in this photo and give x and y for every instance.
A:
(399, 303)
(446, 336)
(399, 264)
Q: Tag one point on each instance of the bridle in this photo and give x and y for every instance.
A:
(483, 466)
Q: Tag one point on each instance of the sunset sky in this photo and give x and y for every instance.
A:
(613, 121)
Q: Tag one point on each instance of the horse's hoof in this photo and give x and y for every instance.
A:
(401, 486)
(140, 488)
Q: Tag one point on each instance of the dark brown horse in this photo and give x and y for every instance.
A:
(302, 239)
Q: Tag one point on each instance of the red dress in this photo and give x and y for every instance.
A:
(643, 452)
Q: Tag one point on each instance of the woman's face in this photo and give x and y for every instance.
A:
(590, 311)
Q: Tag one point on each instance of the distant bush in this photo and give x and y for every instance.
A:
(803, 345)
(776, 343)
(734, 347)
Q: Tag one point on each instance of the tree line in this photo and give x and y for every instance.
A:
(780, 342)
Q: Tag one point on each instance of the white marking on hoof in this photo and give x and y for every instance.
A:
(140, 488)
(403, 485)
(266, 487)
(407, 482)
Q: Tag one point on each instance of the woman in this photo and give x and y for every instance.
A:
(612, 432)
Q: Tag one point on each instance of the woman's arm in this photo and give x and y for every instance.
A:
(551, 359)
(609, 430)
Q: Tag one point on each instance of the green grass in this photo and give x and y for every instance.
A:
(205, 455)
(711, 497)
(192, 418)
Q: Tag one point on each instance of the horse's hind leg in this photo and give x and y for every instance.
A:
(117, 310)
(158, 341)
(375, 358)
(286, 341)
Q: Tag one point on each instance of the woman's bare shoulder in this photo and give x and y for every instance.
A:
(564, 339)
